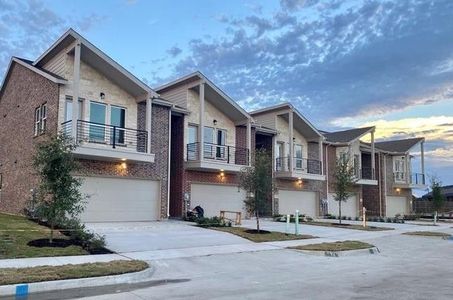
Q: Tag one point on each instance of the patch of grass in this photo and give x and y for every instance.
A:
(266, 236)
(49, 273)
(429, 233)
(17, 231)
(335, 246)
(347, 226)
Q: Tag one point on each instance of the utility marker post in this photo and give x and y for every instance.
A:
(296, 221)
(288, 218)
(364, 216)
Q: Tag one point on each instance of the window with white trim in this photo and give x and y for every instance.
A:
(40, 124)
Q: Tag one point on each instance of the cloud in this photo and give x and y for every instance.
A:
(174, 51)
(332, 58)
(27, 28)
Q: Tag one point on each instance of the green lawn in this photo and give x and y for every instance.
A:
(48, 273)
(271, 236)
(335, 246)
(17, 231)
(429, 233)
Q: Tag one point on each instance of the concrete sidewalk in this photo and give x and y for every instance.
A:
(159, 241)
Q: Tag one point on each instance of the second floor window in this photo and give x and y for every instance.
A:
(40, 123)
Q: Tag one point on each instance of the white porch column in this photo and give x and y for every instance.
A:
(148, 119)
(373, 159)
(321, 155)
(249, 140)
(406, 168)
(75, 89)
(422, 160)
(291, 143)
(201, 123)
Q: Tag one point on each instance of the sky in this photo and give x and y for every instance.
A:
(342, 63)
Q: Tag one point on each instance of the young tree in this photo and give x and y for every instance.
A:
(438, 198)
(257, 182)
(344, 180)
(59, 191)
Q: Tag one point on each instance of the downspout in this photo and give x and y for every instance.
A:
(379, 184)
(168, 163)
(327, 170)
(385, 179)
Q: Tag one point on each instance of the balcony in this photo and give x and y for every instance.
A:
(409, 180)
(365, 175)
(216, 157)
(108, 142)
(302, 168)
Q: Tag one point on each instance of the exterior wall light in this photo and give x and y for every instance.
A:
(102, 95)
(214, 122)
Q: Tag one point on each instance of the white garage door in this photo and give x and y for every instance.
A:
(396, 205)
(305, 202)
(214, 198)
(120, 199)
(350, 208)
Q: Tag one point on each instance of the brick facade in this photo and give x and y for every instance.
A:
(24, 91)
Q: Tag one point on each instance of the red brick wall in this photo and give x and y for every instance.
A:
(177, 166)
(24, 91)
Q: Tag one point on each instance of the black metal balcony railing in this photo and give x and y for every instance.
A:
(366, 173)
(413, 178)
(224, 153)
(117, 137)
(310, 166)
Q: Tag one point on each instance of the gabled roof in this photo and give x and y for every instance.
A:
(232, 105)
(300, 121)
(29, 65)
(398, 146)
(95, 57)
(347, 136)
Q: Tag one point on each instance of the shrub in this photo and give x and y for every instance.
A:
(389, 220)
(92, 242)
(349, 218)
(357, 218)
(213, 222)
(343, 217)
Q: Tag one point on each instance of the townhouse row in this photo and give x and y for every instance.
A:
(149, 154)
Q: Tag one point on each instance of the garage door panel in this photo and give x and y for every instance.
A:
(214, 198)
(396, 205)
(304, 201)
(348, 209)
(120, 199)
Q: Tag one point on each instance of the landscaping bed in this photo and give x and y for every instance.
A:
(429, 233)
(21, 237)
(263, 236)
(335, 246)
(50, 273)
(343, 225)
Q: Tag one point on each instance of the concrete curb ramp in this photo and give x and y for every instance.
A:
(369, 251)
(22, 290)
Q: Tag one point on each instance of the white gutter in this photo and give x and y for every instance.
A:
(385, 179)
(169, 161)
(379, 184)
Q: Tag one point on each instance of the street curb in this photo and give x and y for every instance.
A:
(58, 285)
(369, 251)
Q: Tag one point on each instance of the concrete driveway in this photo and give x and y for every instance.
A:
(127, 237)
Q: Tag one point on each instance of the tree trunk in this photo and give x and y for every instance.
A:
(257, 222)
(51, 232)
(435, 217)
(339, 211)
